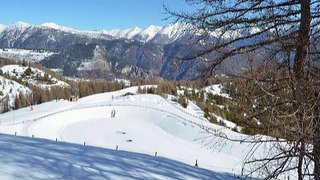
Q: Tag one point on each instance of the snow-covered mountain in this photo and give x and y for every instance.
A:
(125, 33)
(91, 34)
(154, 34)
(170, 33)
(125, 53)
(49, 36)
(147, 34)
(2, 27)
(21, 31)
(25, 54)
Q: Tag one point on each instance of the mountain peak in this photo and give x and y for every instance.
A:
(136, 28)
(21, 23)
(2, 27)
(153, 27)
(148, 33)
(52, 25)
(18, 26)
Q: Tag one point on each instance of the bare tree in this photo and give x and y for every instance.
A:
(283, 92)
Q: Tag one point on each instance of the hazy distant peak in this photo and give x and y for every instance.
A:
(21, 24)
(152, 33)
(52, 25)
(18, 26)
(125, 33)
(2, 27)
(148, 33)
(152, 29)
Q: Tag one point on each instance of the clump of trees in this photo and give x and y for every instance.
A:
(90, 87)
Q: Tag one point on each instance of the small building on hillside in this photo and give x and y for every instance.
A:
(73, 98)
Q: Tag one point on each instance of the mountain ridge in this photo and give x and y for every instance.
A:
(141, 34)
(135, 52)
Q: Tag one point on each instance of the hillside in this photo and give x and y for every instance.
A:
(9, 89)
(145, 124)
(32, 76)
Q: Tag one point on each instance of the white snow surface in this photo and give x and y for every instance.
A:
(148, 33)
(174, 31)
(216, 89)
(142, 124)
(19, 25)
(33, 158)
(17, 71)
(57, 27)
(24, 54)
(92, 34)
(11, 89)
(125, 33)
(2, 27)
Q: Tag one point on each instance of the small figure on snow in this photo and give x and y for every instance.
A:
(113, 113)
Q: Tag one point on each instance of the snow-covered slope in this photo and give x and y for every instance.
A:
(36, 77)
(216, 90)
(24, 54)
(14, 32)
(91, 34)
(51, 25)
(126, 33)
(2, 27)
(145, 124)
(33, 158)
(155, 34)
(147, 34)
(170, 33)
(10, 89)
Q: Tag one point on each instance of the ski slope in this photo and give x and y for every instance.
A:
(146, 124)
(27, 158)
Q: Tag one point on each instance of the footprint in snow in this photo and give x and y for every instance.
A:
(121, 132)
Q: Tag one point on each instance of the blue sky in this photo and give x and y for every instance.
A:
(88, 14)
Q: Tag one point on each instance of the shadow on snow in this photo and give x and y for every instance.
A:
(33, 158)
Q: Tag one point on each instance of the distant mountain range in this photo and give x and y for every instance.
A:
(134, 52)
(22, 32)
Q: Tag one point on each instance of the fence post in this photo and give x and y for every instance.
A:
(117, 147)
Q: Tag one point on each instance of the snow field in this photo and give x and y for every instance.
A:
(143, 123)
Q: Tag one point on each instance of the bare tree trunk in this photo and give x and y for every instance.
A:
(301, 157)
(299, 63)
(316, 141)
(303, 39)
